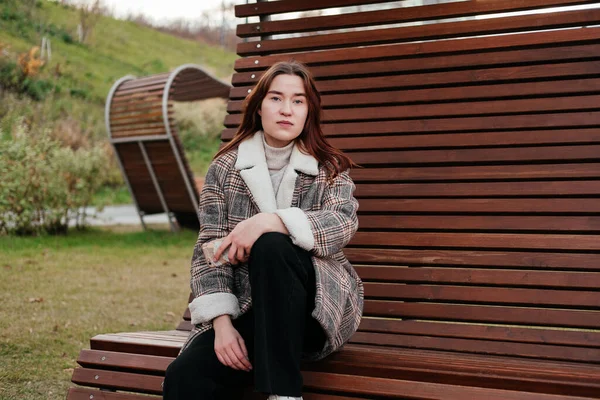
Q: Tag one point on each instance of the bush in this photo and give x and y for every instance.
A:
(10, 74)
(37, 89)
(80, 93)
(45, 186)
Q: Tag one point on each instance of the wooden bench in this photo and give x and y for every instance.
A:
(479, 239)
(141, 129)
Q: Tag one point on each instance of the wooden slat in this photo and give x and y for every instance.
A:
(529, 40)
(266, 8)
(479, 240)
(554, 224)
(138, 115)
(479, 189)
(126, 361)
(448, 367)
(155, 97)
(505, 74)
(487, 206)
(87, 394)
(474, 276)
(118, 380)
(487, 314)
(538, 351)
(462, 93)
(154, 88)
(424, 32)
(498, 107)
(510, 122)
(483, 295)
(581, 338)
(354, 145)
(394, 16)
(416, 390)
(475, 172)
(510, 259)
(136, 107)
(166, 346)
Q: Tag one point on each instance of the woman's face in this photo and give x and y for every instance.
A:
(283, 110)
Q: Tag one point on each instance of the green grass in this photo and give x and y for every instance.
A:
(108, 196)
(58, 292)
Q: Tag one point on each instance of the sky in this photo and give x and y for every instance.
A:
(161, 10)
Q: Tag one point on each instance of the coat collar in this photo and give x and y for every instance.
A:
(252, 164)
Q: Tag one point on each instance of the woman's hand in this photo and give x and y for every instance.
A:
(229, 345)
(241, 239)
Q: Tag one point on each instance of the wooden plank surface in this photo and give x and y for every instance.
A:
(426, 32)
(477, 313)
(394, 16)
(582, 339)
(474, 276)
(528, 40)
(548, 206)
(504, 258)
(416, 390)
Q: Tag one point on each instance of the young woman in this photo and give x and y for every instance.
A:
(281, 197)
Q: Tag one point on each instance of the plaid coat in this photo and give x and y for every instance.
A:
(320, 216)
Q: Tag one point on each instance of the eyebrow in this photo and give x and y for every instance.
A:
(281, 94)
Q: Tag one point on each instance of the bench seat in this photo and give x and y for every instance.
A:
(138, 360)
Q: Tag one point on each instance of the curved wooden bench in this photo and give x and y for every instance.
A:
(479, 239)
(144, 136)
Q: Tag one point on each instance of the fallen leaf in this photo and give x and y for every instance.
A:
(165, 263)
(174, 275)
(68, 370)
(36, 299)
(170, 314)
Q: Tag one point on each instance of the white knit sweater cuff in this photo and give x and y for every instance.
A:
(209, 306)
(297, 223)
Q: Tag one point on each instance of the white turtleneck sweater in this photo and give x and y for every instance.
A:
(278, 159)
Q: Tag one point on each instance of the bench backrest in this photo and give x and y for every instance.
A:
(480, 141)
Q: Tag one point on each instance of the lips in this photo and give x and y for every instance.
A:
(286, 123)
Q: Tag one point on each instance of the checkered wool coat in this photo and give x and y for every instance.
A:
(320, 216)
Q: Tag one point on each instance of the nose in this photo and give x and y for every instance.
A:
(285, 108)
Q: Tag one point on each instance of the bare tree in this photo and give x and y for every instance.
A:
(89, 14)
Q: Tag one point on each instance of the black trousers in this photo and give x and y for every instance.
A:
(277, 329)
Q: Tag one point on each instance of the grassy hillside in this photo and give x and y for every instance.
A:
(116, 48)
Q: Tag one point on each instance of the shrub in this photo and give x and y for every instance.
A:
(37, 89)
(44, 186)
(80, 93)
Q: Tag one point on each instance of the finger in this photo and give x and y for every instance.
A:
(222, 247)
(244, 352)
(221, 359)
(232, 250)
(241, 356)
(234, 358)
(228, 361)
(241, 254)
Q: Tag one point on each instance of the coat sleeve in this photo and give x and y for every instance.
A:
(326, 231)
(212, 287)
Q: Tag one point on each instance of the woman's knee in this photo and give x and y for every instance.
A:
(269, 242)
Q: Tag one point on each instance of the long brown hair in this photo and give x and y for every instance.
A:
(311, 139)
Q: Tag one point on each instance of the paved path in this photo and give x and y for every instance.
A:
(121, 215)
